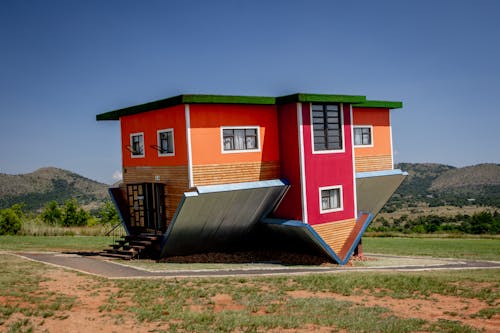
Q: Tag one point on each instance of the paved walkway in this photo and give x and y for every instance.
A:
(100, 266)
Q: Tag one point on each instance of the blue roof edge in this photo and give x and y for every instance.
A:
(369, 174)
(241, 186)
(358, 237)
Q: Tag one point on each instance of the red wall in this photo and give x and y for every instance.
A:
(290, 207)
(328, 169)
(149, 123)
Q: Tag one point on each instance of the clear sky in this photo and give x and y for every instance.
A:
(63, 62)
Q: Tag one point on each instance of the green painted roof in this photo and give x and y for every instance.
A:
(185, 99)
(380, 104)
(320, 98)
(258, 100)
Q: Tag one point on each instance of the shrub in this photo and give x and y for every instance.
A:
(73, 215)
(51, 214)
(108, 214)
(10, 221)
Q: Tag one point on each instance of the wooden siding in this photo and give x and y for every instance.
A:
(175, 179)
(336, 233)
(373, 163)
(213, 174)
(352, 237)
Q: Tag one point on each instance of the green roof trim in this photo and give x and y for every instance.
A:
(226, 99)
(320, 98)
(359, 101)
(380, 104)
(186, 99)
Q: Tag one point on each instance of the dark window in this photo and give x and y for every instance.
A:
(240, 139)
(362, 136)
(330, 199)
(165, 142)
(327, 127)
(137, 144)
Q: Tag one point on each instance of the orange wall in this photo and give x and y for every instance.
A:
(379, 119)
(149, 123)
(207, 119)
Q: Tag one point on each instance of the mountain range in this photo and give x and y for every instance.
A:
(435, 184)
(38, 188)
(439, 184)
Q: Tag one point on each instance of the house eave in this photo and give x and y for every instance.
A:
(380, 104)
(356, 100)
(186, 99)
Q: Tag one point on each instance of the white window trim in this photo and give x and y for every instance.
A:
(171, 130)
(355, 212)
(222, 128)
(143, 145)
(187, 115)
(324, 211)
(302, 164)
(371, 136)
(333, 151)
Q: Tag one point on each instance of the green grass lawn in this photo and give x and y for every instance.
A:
(54, 243)
(461, 248)
(478, 249)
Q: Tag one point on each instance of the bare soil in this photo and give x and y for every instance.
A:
(430, 309)
(91, 294)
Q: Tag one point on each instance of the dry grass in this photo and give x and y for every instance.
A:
(424, 210)
(56, 300)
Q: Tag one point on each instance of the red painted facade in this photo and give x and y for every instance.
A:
(290, 207)
(319, 169)
(328, 169)
(285, 136)
(149, 123)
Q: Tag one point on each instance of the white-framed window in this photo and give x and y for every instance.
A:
(327, 134)
(330, 199)
(136, 145)
(165, 145)
(363, 135)
(240, 139)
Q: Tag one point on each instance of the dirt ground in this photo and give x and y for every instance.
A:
(91, 294)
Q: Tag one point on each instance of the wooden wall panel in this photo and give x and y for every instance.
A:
(373, 163)
(336, 233)
(352, 237)
(214, 174)
(175, 179)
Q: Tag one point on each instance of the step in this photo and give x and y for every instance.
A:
(130, 252)
(140, 243)
(116, 255)
(138, 248)
(150, 238)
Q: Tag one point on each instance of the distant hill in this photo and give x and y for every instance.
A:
(46, 184)
(439, 184)
(465, 179)
(434, 184)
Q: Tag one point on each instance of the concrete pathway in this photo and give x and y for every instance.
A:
(105, 267)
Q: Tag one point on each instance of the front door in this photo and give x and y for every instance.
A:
(146, 204)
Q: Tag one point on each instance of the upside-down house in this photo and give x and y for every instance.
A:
(306, 172)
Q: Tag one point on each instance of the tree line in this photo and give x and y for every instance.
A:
(483, 222)
(69, 214)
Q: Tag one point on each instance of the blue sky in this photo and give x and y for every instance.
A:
(63, 62)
